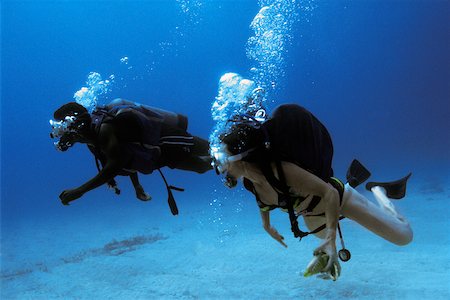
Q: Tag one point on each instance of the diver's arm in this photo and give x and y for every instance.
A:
(135, 180)
(265, 217)
(110, 144)
(306, 182)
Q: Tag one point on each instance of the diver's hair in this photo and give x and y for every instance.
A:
(74, 109)
(243, 137)
(69, 109)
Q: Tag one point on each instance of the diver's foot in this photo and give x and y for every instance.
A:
(143, 196)
(394, 189)
(357, 174)
(317, 266)
(383, 201)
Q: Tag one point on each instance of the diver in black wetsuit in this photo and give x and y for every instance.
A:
(127, 138)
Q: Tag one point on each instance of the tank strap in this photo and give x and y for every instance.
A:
(282, 189)
(284, 196)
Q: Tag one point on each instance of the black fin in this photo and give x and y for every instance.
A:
(394, 190)
(172, 203)
(170, 197)
(357, 174)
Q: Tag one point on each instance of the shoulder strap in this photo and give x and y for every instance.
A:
(283, 191)
(111, 183)
(98, 117)
(289, 203)
(278, 184)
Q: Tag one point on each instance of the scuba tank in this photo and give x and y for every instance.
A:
(118, 106)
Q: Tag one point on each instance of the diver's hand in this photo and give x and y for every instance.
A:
(274, 234)
(112, 185)
(70, 195)
(329, 248)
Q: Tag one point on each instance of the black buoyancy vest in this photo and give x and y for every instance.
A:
(296, 136)
(139, 130)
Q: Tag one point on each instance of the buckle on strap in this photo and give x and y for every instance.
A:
(304, 213)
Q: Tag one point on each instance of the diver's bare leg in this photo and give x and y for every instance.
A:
(315, 222)
(382, 220)
(140, 193)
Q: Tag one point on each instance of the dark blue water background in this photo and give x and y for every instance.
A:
(375, 72)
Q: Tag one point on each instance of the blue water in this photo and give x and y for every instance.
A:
(376, 73)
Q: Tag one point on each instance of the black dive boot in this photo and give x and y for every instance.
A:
(394, 190)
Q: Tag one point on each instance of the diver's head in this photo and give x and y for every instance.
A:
(71, 123)
(240, 144)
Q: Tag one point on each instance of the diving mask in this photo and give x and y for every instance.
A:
(64, 131)
(59, 128)
(221, 160)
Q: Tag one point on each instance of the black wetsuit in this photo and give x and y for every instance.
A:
(149, 141)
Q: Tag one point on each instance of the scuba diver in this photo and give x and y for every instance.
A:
(127, 138)
(286, 162)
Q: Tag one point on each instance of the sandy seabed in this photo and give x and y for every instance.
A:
(131, 255)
